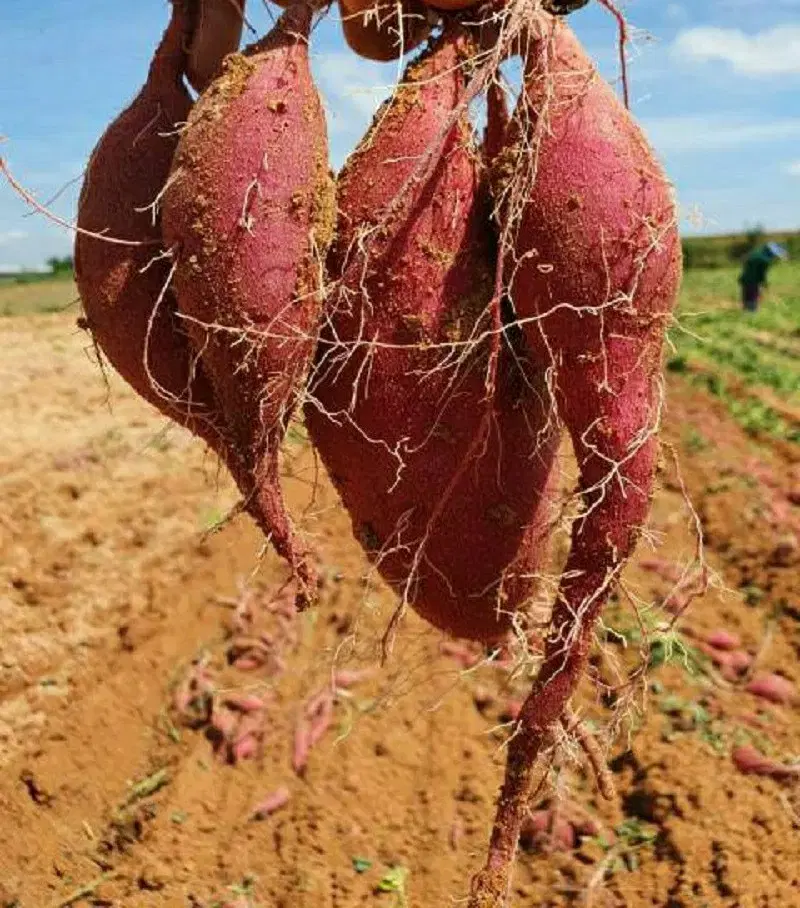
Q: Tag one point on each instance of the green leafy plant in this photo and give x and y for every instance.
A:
(394, 881)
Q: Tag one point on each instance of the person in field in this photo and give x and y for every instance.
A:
(753, 278)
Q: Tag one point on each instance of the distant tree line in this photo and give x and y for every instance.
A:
(55, 267)
(61, 266)
(724, 251)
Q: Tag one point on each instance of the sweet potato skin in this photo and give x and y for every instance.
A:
(247, 215)
(124, 287)
(435, 461)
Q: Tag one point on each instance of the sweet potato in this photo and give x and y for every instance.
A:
(272, 803)
(436, 461)
(772, 687)
(122, 279)
(247, 214)
(750, 761)
(345, 678)
(216, 31)
(383, 30)
(301, 747)
(594, 275)
(724, 640)
(549, 830)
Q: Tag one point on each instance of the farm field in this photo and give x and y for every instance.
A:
(122, 583)
(751, 363)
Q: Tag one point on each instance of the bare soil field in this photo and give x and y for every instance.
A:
(136, 622)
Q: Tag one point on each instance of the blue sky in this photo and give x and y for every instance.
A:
(716, 84)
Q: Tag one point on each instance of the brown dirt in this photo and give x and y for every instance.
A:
(110, 587)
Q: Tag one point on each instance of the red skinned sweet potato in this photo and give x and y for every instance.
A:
(122, 280)
(248, 213)
(750, 761)
(594, 277)
(216, 31)
(549, 830)
(724, 640)
(772, 687)
(272, 803)
(441, 467)
(598, 272)
(383, 30)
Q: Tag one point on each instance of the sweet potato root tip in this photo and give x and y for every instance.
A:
(459, 653)
(740, 661)
(245, 748)
(244, 703)
(249, 663)
(320, 724)
(731, 663)
(511, 711)
(549, 830)
(665, 569)
(346, 678)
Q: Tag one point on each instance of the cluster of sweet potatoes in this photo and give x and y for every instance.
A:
(438, 323)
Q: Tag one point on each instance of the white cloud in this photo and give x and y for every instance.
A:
(673, 135)
(792, 168)
(775, 51)
(7, 237)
